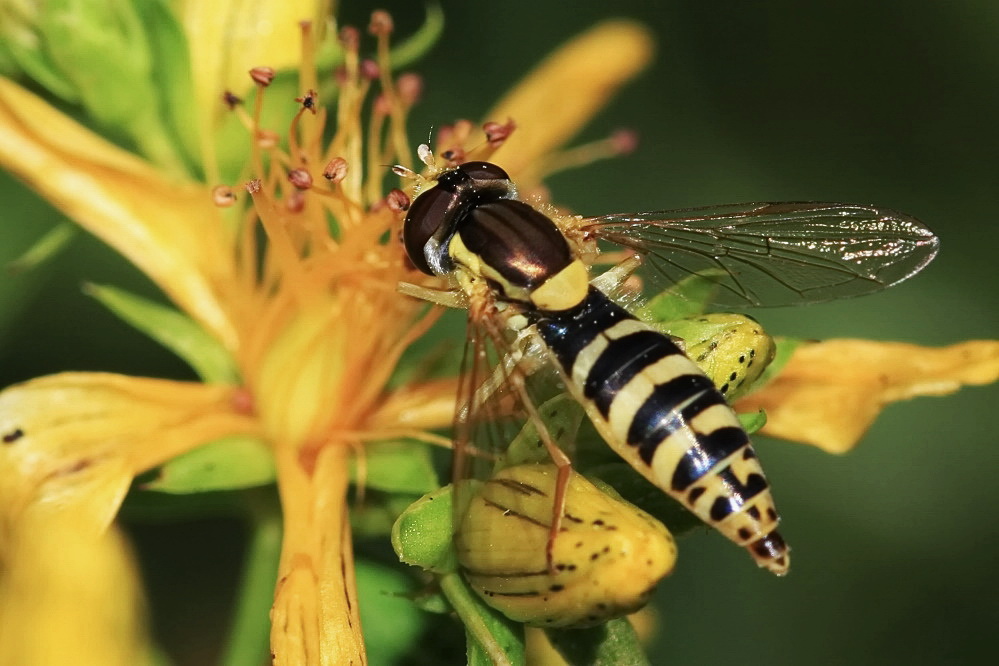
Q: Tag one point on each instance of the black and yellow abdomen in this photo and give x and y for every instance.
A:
(659, 411)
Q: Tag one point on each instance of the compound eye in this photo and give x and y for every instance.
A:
(425, 217)
(483, 171)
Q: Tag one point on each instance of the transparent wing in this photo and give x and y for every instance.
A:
(770, 254)
(503, 403)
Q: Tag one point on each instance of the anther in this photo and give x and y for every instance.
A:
(262, 76)
(223, 196)
(267, 139)
(350, 37)
(496, 133)
(336, 170)
(409, 87)
(624, 141)
(254, 186)
(309, 100)
(369, 70)
(382, 105)
(300, 178)
(295, 202)
(381, 23)
(231, 100)
(397, 201)
(453, 155)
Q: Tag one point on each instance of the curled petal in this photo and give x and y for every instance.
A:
(567, 89)
(831, 403)
(72, 442)
(170, 230)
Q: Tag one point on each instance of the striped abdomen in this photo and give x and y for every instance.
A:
(656, 408)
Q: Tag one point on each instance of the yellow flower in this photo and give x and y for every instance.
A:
(311, 319)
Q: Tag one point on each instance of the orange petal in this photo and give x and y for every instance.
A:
(69, 596)
(170, 230)
(830, 392)
(72, 442)
(567, 89)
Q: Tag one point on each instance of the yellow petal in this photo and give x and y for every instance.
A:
(227, 38)
(567, 89)
(170, 230)
(830, 392)
(68, 596)
(72, 442)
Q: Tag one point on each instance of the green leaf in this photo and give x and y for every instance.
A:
(171, 70)
(229, 463)
(492, 638)
(423, 534)
(384, 593)
(103, 48)
(22, 49)
(46, 247)
(172, 329)
(397, 466)
(686, 298)
(612, 644)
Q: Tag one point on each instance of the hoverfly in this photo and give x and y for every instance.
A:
(523, 275)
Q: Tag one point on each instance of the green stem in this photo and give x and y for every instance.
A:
(249, 638)
(493, 634)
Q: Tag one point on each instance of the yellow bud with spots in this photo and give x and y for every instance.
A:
(606, 560)
(733, 350)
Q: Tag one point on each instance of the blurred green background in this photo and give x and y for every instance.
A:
(895, 544)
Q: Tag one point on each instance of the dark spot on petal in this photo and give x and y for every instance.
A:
(13, 436)
(724, 388)
(556, 588)
(732, 377)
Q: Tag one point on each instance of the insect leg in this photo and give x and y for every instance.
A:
(614, 278)
(562, 464)
(449, 298)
